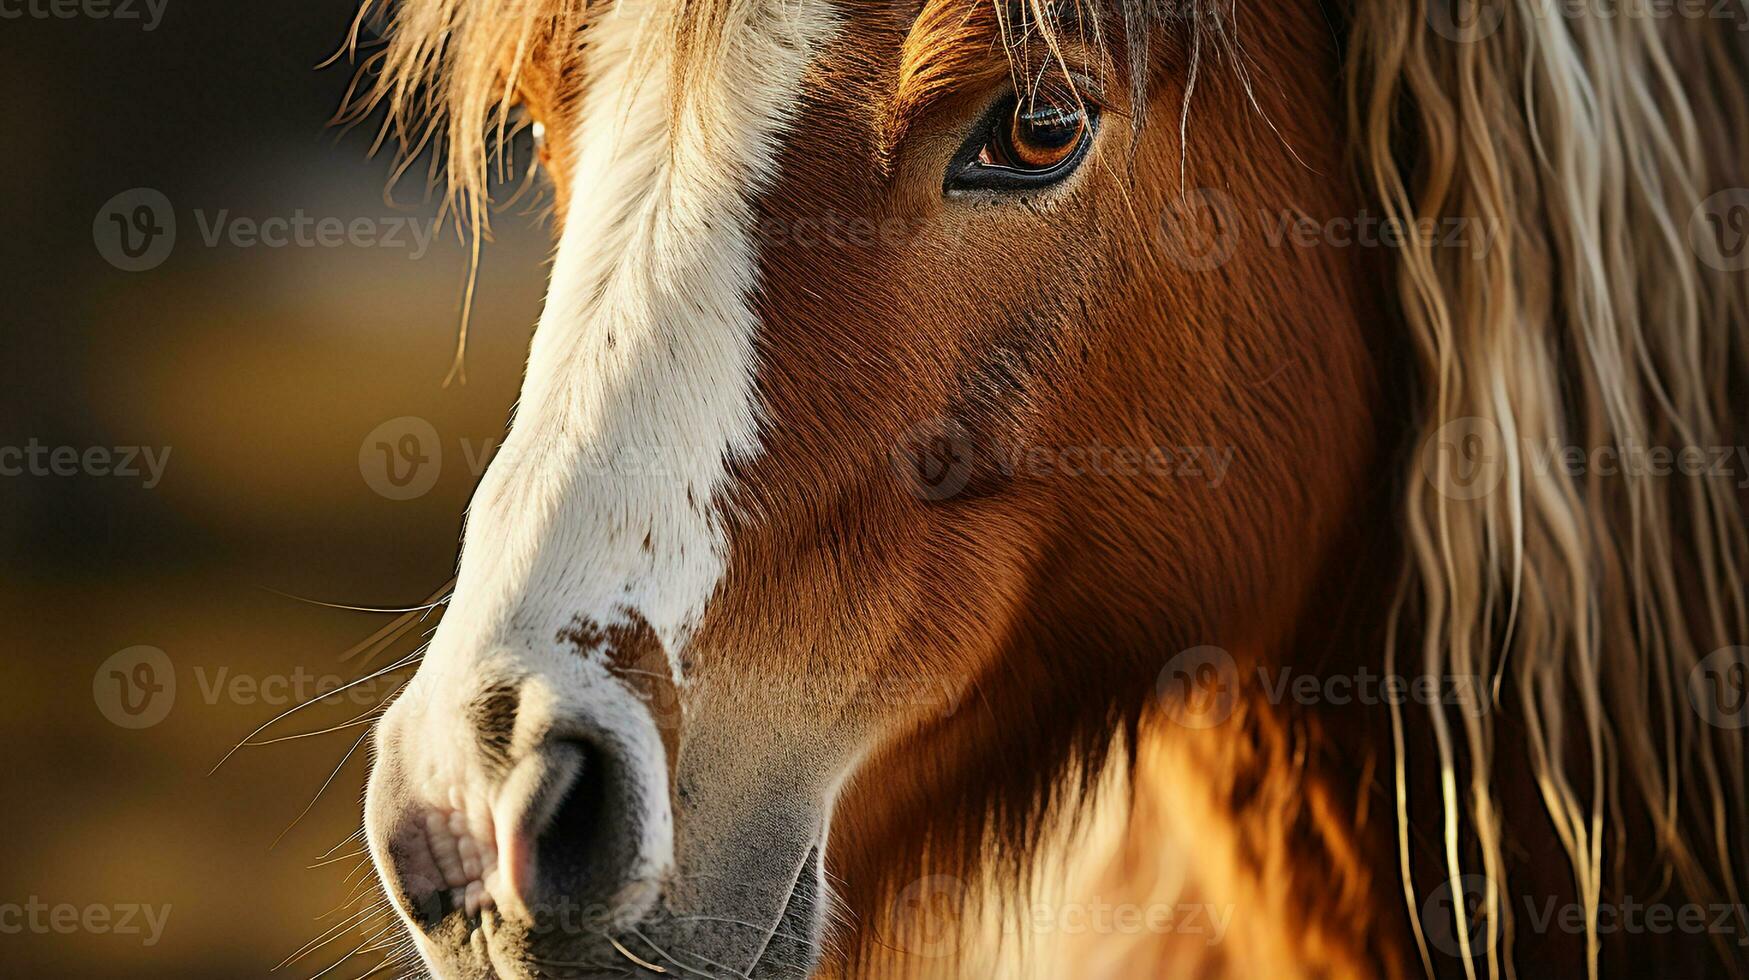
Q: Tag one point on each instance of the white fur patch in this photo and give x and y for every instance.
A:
(640, 380)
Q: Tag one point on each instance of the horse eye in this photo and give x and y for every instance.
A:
(1024, 146)
(1036, 140)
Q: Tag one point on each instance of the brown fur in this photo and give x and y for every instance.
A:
(1083, 588)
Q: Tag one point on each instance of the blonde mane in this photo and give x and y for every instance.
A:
(1587, 147)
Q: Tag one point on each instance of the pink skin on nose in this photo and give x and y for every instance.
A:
(518, 862)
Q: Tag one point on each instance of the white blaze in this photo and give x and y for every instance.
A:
(640, 379)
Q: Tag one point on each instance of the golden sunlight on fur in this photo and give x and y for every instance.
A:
(1160, 877)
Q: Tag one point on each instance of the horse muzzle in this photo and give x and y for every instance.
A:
(522, 815)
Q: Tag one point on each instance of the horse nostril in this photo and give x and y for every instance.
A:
(584, 833)
(564, 845)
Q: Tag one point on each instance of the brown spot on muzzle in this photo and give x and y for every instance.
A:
(635, 655)
(584, 634)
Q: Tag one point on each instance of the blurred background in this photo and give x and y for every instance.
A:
(222, 403)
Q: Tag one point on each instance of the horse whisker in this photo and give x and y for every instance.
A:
(669, 956)
(318, 698)
(357, 835)
(336, 859)
(328, 936)
(354, 723)
(366, 609)
(635, 958)
(355, 950)
(325, 784)
(777, 933)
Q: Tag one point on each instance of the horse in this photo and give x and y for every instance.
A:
(1114, 488)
